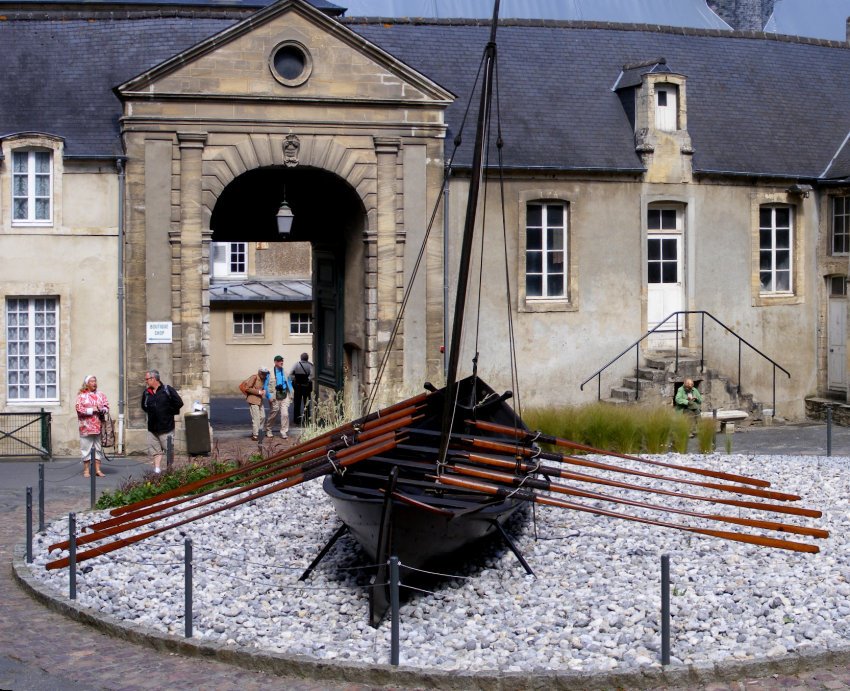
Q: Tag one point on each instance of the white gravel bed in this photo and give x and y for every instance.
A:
(593, 604)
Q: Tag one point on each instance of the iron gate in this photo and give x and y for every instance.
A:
(25, 434)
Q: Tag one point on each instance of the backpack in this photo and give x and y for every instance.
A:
(174, 399)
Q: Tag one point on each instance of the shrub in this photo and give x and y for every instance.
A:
(152, 484)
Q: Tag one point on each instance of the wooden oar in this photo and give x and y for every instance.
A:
(147, 508)
(364, 429)
(506, 448)
(526, 467)
(566, 443)
(524, 495)
(339, 458)
(537, 483)
(326, 468)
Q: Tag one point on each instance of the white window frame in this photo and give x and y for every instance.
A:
(666, 107)
(550, 249)
(252, 319)
(31, 175)
(300, 323)
(840, 225)
(41, 370)
(771, 250)
(225, 255)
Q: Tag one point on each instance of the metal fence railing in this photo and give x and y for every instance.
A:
(25, 434)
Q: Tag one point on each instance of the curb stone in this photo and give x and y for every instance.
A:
(352, 672)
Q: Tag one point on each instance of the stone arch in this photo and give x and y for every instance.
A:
(228, 157)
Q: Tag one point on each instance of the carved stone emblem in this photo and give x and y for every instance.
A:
(291, 147)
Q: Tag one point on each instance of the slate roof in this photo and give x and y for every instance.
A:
(259, 290)
(785, 113)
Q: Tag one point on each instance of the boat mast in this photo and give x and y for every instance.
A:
(468, 233)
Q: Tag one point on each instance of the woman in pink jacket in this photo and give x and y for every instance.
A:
(91, 404)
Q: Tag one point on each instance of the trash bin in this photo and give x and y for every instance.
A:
(197, 433)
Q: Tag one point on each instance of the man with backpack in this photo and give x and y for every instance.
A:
(302, 383)
(255, 389)
(161, 403)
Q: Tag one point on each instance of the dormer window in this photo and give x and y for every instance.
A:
(666, 107)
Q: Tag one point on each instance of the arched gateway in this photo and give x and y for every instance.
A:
(288, 102)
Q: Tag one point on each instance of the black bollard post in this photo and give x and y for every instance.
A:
(665, 609)
(394, 632)
(29, 525)
(41, 497)
(93, 477)
(829, 430)
(169, 452)
(187, 608)
(72, 556)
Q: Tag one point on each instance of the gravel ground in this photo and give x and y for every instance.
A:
(593, 604)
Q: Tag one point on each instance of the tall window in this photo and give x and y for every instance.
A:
(31, 186)
(546, 250)
(841, 225)
(230, 258)
(248, 323)
(775, 256)
(300, 323)
(32, 347)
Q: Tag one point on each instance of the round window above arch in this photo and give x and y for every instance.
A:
(290, 63)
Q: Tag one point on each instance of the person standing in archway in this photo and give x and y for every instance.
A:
(302, 382)
(280, 396)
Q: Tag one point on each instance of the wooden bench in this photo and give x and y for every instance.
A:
(727, 419)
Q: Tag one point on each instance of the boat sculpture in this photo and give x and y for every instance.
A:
(427, 477)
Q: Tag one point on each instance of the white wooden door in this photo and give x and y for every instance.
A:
(836, 361)
(664, 287)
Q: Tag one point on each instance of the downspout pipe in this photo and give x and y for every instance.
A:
(122, 383)
(446, 189)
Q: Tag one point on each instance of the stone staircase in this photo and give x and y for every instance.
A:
(657, 381)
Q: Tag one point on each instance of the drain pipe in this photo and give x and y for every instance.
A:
(446, 307)
(119, 164)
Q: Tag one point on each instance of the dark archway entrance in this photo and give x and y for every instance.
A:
(329, 215)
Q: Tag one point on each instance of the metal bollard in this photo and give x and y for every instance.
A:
(29, 525)
(394, 631)
(829, 430)
(665, 609)
(41, 497)
(93, 477)
(169, 452)
(72, 556)
(187, 607)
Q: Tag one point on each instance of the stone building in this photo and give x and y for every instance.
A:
(645, 173)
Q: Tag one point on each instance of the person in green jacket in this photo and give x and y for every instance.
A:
(688, 397)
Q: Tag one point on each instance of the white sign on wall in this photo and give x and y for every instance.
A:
(159, 332)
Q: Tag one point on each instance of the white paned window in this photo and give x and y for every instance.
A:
(841, 225)
(775, 248)
(32, 349)
(300, 323)
(230, 258)
(248, 323)
(545, 250)
(32, 187)
(666, 107)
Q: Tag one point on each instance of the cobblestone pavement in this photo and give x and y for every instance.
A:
(42, 650)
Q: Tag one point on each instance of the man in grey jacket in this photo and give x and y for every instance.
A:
(302, 381)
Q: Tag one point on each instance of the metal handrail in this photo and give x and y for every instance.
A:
(703, 314)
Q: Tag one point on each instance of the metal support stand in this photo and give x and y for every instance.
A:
(93, 477)
(665, 609)
(29, 525)
(342, 530)
(394, 632)
(72, 556)
(512, 546)
(169, 452)
(41, 497)
(187, 607)
(829, 430)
